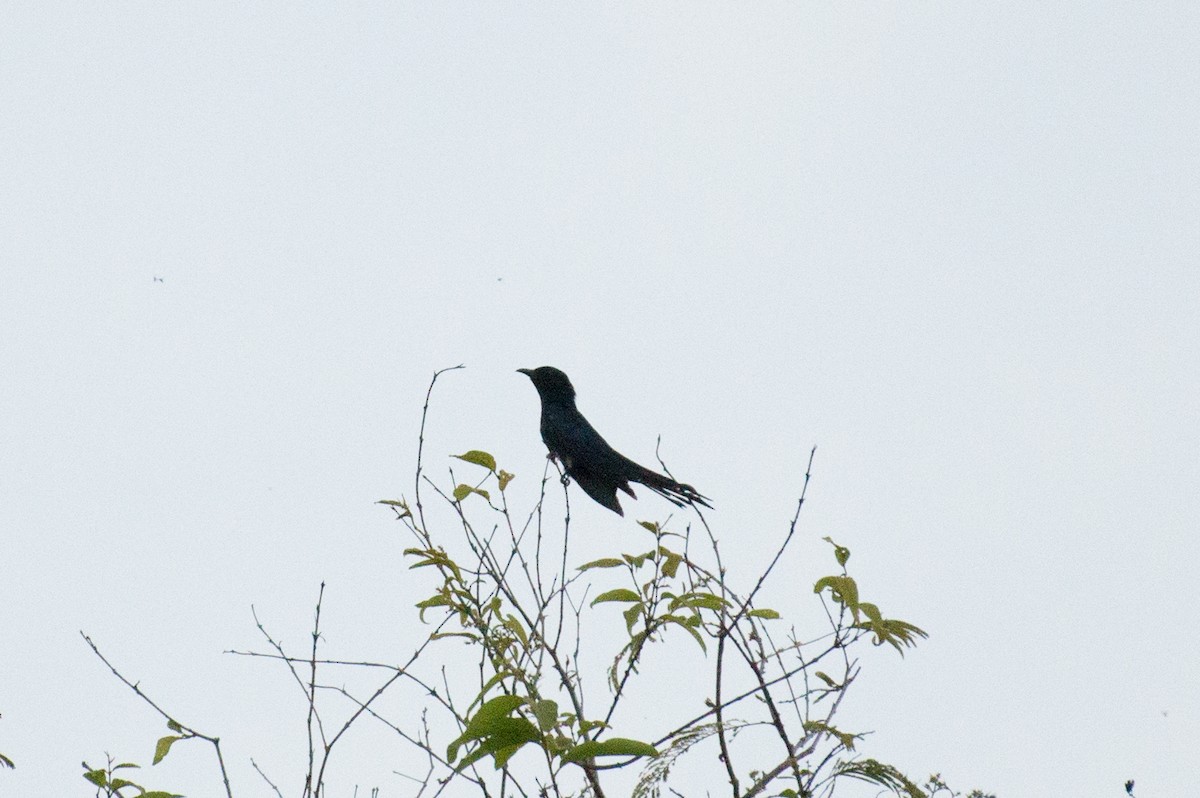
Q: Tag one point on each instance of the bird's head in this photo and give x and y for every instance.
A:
(552, 385)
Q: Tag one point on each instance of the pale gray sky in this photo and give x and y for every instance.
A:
(954, 245)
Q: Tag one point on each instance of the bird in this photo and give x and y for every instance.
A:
(587, 458)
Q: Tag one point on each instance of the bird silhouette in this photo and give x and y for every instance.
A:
(587, 458)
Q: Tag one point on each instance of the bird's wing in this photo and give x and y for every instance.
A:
(599, 488)
(598, 468)
(569, 435)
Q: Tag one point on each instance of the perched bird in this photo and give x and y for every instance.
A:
(588, 459)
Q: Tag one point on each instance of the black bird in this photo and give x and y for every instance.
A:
(588, 459)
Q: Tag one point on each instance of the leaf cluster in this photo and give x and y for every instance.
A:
(520, 640)
(844, 591)
(112, 785)
(762, 705)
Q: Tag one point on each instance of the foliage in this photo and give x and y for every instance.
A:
(501, 603)
(503, 702)
(111, 785)
(492, 588)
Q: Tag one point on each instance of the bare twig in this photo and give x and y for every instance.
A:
(783, 546)
(421, 439)
(270, 783)
(186, 730)
(311, 788)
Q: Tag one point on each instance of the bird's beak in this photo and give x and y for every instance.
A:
(526, 372)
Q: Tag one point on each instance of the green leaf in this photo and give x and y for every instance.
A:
(620, 594)
(496, 679)
(588, 725)
(556, 743)
(163, 747)
(699, 600)
(504, 478)
(494, 747)
(765, 614)
(825, 678)
(513, 625)
(546, 713)
(883, 774)
(604, 562)
(819, 727)
(159, 794)
(671, 563)
(402, 507)
(505, 753)
(470, 759)
(463, 491)
(840, 552)
(8, 763)
(435, 557)
(897, 634)
(632, 614)
(504, 732)
(651, 525)
(844, 590)
(500, 736)
(871, 611)
(688, 624)
(485, 721)
(614, 746)
(478, 458)
(99, 777)
(433, 601)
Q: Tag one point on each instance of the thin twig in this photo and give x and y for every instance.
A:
(421, 439)
(783, 546)
(186, 730)
(309, 787)
(264, 777)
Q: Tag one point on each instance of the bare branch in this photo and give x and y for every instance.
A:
(184, 728)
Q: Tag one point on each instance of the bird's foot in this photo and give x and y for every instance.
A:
(561, 466)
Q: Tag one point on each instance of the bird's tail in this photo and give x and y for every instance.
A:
(677, 493)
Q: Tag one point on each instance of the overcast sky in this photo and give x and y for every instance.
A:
(953, 245)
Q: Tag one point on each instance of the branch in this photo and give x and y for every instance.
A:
(421, 438)
(783, 546)
(187, 730)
